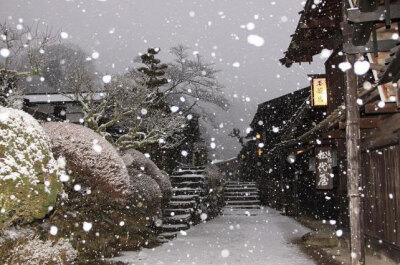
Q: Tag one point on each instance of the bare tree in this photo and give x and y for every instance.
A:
(235, 133)
(21, 48)
(194, 80)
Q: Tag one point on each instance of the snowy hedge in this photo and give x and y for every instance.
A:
(136, 160)
(29, 174)
(146, 192)
(93, 162)
(48, 252)
(214, 184)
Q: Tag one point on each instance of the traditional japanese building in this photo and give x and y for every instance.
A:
(300, 184)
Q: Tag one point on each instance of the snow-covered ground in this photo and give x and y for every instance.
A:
(230, 239)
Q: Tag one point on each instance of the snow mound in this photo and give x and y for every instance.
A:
(29, 174)
(136, 160)
(94, 162)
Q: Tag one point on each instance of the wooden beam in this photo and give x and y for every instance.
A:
(365, 123)
(383, 46)
(325, 22)
(336, 134)
(355, 15)
(372, 108)
(368, 5)
(331, 43)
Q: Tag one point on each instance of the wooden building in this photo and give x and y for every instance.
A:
(301, 182)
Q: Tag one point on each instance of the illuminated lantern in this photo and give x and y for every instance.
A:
(319, 91)
(258, 136)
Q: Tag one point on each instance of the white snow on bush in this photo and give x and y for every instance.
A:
(36, 251)
(19, 120)
(26, 163)
(136, 160)
(103, 170)
(146, 192)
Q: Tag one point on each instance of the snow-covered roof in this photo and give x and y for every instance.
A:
(47, 98)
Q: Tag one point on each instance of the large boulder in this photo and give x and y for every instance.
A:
(29, 174)
(136, 160)
(93, 162)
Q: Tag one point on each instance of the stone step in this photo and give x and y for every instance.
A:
(177, 219)
(241, 189)
(187, 184)
(168, 235)
(177, 211)
(174, 227)
(182, 203)
(186, 191)
(184, 197)
(241, 198)
(243, 206)
(234, 193)
(184, 172)
(187, 177)
(190, 168)
(241, 183)
(240, 186)
(246, 202)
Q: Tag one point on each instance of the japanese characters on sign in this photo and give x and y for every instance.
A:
(319, 92)
(323, 168)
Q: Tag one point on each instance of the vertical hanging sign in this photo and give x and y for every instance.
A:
(319, 91)
(323, 168)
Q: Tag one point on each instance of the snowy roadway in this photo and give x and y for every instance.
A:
(264, 239)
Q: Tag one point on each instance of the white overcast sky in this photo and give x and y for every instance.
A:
(120, 29)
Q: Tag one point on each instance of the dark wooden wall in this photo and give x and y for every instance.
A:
(381, 178)
(335, 77)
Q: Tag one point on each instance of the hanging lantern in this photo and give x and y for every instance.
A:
(319, 91)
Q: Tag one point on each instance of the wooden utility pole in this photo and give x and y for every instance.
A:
(357, 252)
(353, 167)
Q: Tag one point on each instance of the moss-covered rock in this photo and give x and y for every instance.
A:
(29, 174)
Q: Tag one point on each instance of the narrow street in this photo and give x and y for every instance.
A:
(262, 236)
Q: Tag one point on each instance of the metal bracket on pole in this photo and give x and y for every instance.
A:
(387, 13)
(388, 21)
(375, 40)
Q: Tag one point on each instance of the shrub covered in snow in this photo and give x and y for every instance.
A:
(23, 246)
(136, 160)
(38, 252)
(146, 192)
(88, 211)
(95, 165)
(29, 174)
(214, 184)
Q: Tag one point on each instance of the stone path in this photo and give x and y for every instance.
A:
(262, 238)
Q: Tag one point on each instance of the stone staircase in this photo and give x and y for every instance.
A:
(241, 198)
(182, 210)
